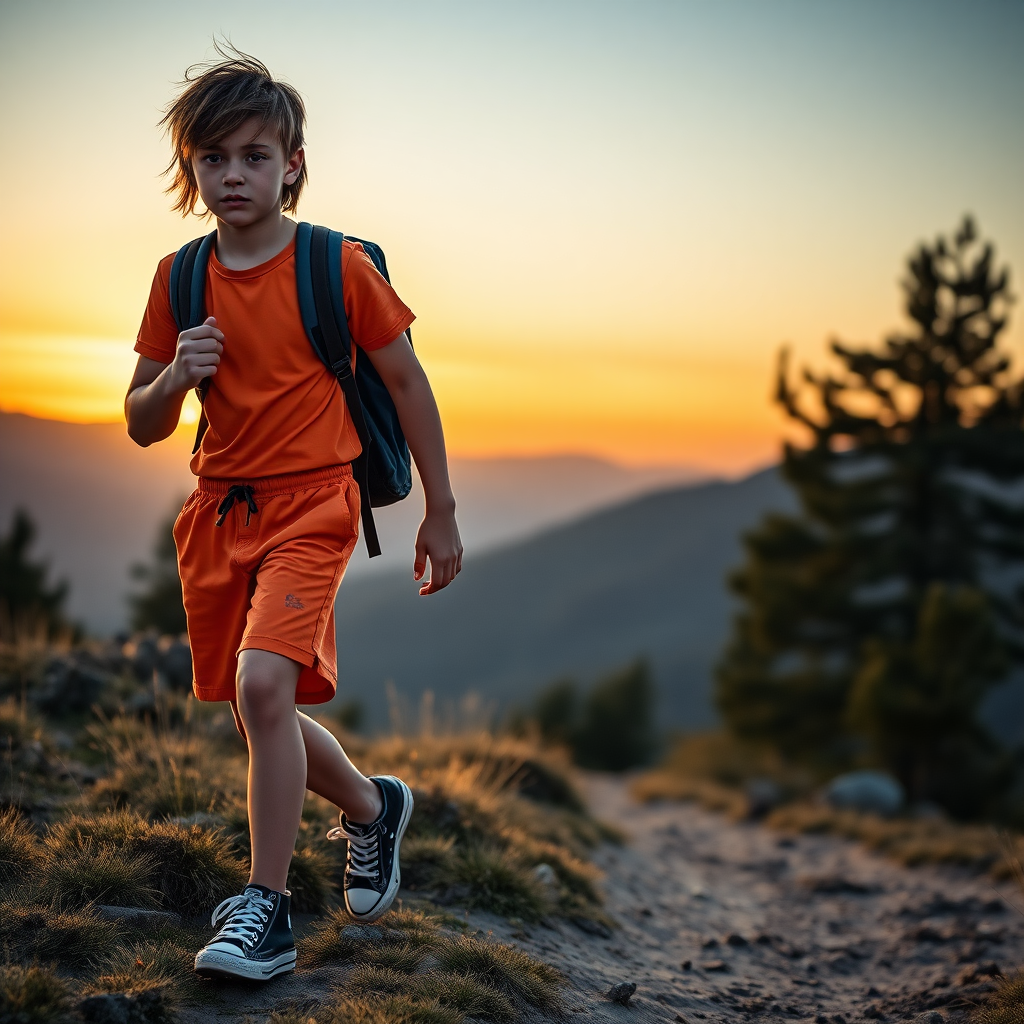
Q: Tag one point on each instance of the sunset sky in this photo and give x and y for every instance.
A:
(607, 216)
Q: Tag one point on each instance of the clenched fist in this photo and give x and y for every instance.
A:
(197, 355)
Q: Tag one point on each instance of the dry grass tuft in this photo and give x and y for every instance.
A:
(711, 795)
(394, 1009)
(489, 811)
(188, 868)
(1005, 1005)
(470, 996)
(99, 875)
(910, 841)
(310, 880)
(161, 772)
(21, 856)
(33, 995)
(506, 968)
(414, 963)
(29, 933)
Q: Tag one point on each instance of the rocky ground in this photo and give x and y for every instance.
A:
(723, 922)
(727, 922)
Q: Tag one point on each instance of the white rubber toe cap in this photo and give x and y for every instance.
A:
(362, 901)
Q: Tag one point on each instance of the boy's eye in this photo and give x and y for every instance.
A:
(257, 157)
(211, 158)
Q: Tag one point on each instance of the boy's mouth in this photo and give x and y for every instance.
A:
(234, 200)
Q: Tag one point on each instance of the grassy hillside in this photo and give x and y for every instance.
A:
(123, 826)
(644, 578)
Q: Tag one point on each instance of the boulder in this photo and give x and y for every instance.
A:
(870, 792)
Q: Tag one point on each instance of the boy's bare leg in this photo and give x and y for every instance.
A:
(277, 762)
(330, 774)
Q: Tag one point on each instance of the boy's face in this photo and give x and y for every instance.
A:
(241, 177)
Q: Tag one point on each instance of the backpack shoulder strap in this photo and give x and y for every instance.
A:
(322, 305)
(187, 286)
(187, 292)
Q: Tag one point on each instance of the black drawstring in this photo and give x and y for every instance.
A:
(237, 492)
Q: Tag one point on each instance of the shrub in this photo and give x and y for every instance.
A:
(616, 730)
(32, 995)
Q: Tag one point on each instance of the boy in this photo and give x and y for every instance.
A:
(264, 539)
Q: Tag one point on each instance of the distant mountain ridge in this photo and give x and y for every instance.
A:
(98, 498)
(645, 578)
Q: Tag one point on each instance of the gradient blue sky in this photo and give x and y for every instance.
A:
(607, 215)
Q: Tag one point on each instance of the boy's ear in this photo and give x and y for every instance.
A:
(294, 166)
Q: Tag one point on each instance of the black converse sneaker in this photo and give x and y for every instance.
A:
(255, 937)
(372, 873)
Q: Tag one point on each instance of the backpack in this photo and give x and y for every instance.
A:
(384, 470)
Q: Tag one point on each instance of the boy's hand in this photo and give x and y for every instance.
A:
(197, 355)
(438, 539)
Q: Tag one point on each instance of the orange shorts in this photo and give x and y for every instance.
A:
(266, 578)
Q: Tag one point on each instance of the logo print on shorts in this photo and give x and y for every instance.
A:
(291, 601)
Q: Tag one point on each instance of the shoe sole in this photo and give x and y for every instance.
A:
(223, 965)
(396, 869)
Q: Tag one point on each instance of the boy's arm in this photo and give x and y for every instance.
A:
(153, 403)
(438, 537)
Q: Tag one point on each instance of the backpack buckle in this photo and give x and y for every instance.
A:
(342, 368)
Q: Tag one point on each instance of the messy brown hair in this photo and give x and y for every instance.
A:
(216, 99)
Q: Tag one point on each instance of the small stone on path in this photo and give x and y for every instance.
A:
(715, 965)
(621, 993)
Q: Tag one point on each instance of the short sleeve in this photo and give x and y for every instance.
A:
(376, 315)
(158, 335)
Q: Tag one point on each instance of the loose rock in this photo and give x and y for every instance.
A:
(621, 993)
(714, 965)
(870, 792)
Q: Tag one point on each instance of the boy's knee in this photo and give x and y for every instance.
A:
(264, 697)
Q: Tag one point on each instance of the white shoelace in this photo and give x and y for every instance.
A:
(243, 917)
(362, 851)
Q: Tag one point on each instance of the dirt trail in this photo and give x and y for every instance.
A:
(775, 928)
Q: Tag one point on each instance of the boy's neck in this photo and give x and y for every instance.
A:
(242, 248)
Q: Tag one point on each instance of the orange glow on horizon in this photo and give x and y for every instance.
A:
(643, 411)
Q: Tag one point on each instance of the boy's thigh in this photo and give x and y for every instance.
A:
(216, 592)
(299, 574)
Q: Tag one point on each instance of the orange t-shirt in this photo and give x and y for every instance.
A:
(273, 406)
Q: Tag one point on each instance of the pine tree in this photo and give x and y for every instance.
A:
(908, 519)
(25, 592)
